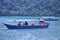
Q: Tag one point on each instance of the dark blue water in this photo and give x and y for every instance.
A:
(51, 33)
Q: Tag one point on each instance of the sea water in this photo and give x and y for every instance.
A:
(50, 33)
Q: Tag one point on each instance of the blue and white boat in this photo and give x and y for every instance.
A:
(9, 26)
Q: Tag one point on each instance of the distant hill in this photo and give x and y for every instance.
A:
(29, 7)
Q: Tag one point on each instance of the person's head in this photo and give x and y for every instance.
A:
(41, 21)
(20, 22)
(25, 21)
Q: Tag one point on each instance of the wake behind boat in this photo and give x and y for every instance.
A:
(25, 26)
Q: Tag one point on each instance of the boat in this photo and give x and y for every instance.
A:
(9, 26)
(50, 18)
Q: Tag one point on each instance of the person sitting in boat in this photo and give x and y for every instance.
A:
(42, 22)
(19, 23)
(26, 23)
(32, 24)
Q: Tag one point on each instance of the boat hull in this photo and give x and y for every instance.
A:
(24, 27)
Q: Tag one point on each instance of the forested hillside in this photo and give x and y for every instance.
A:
(29, 7)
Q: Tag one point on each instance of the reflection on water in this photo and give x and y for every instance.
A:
(51, 33)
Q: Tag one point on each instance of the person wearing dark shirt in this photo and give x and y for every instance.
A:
(26, 23)
(19, 23)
